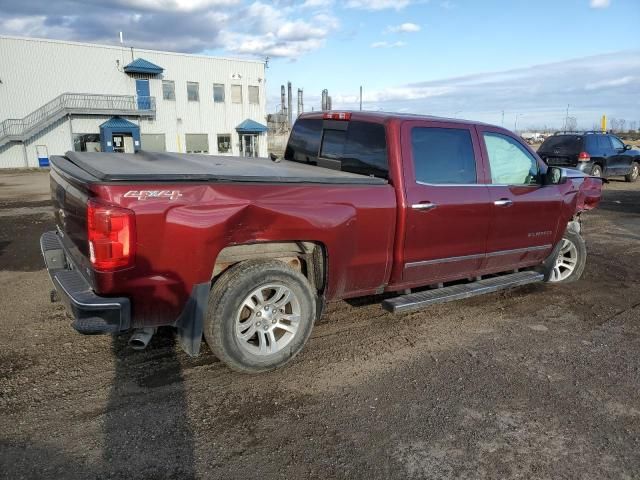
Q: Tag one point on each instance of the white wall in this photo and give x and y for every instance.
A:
(36, 71)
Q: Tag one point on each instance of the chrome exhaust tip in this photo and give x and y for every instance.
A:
(141, 338)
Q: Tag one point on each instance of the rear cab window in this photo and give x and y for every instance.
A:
(350, 146)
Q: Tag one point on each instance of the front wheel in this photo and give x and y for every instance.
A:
(260, 315)
(633, 175)
(571, 259)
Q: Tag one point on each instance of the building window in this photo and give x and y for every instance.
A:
(218, 93)
(224, 143)
(236, 93)
(254, 95)
(86, 142)
(193, 91)
(197, 142)
(168, 90)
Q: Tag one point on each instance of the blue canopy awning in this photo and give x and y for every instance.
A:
(119, 122)
(140, 65)
(251, 126)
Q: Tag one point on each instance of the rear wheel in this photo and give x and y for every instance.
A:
(260, 315)
(571, 259)
(633, 175)
(596, 171)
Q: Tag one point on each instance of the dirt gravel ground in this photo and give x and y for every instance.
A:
(539, 382)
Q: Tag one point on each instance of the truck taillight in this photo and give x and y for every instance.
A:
(584, 157)
(111, 235)
(337, 116)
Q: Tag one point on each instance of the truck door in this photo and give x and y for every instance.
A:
(447, 207)
(525, 213)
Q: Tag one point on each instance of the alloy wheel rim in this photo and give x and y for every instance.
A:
(635, 171)
(267, 320)
(566, 262)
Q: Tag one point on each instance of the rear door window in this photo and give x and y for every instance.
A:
(443, 156)
(603, 143)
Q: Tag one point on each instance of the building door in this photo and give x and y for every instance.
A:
(249, 145)
(122, 143)
(142, 92)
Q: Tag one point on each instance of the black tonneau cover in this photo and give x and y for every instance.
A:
(152, 166)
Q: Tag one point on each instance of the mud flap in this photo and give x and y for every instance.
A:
(191, 320)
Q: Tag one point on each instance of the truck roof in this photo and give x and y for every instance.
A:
(382, 117)
(154, 166)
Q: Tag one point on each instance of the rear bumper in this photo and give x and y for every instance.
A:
(92, 314)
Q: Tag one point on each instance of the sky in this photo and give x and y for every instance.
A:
(514, 62)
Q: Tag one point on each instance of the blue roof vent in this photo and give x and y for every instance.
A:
(251, 126)
(140, 65)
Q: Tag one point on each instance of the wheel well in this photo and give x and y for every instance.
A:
(306, 257)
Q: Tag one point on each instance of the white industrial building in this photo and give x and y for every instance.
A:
(57, 96)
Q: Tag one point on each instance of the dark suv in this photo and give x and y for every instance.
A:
(595, 153)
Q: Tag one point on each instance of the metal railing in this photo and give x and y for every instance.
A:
(76, 102)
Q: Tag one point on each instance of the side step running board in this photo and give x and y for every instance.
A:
(415, 301)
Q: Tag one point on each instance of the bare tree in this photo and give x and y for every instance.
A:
(613, 122)
(632, 126)
(621, 123)
(572, 124)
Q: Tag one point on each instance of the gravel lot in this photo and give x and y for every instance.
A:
(539, 382)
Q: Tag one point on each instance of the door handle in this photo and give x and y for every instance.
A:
(423, 206)
(503, 202)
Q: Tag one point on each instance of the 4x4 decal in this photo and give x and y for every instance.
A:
(145, 194)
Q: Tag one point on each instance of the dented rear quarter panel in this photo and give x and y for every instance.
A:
(179, 240)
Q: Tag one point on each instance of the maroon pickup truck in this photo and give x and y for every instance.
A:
(247, 251)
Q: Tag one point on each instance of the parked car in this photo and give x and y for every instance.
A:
(594, 153)
(247, 252)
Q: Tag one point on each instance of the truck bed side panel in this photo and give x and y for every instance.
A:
(178, 240)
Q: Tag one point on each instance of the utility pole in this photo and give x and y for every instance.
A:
(502, 124)
(360, 97)
(566, 118)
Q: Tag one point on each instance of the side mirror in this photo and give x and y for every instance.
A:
(627, 147)
(555, 176)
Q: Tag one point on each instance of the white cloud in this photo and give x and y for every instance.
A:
(388, 44)
(586, 83)
(404, 28)
(176, 5)
(378, 4)
(600, 3)
(614, 82)
(319, 4)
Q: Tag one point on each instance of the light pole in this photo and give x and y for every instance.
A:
(515, 124)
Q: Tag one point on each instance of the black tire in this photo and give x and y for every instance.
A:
(634, 173)
(581, 249)
(596, 171)
(225, 303)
